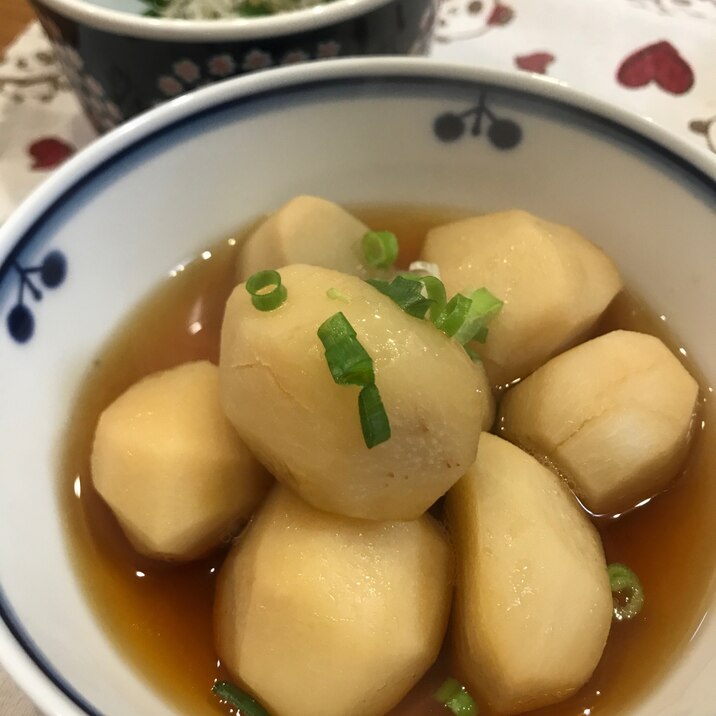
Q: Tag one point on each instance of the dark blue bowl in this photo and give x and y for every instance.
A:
(121, 64)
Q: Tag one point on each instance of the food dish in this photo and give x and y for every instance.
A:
(419, 172)
(121, 61)
(193, 10)
(339, 548)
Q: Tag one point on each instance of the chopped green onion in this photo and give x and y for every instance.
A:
(262, 299)
(448, 689)
(347, 359)
(380, 248)
(239, 700)
(627, 590)
(454, 314)
(373, 418)
(464, 319)
(350, 364)
(453, 695)
(483, 309)
(406, 292)
(435, 289)
(407, 275)
(336, 295)
(336, 330)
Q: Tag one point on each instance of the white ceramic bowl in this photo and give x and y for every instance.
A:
(163, 187)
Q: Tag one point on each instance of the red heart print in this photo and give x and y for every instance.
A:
(536, 62)
(659, 63)
(49, 152)
(500, 15)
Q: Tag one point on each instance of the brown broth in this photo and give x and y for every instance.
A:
(160, 616)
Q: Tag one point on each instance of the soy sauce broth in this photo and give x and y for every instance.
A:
(160, 617)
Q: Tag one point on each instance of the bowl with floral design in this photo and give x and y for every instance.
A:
(121, 61)
(145, 202)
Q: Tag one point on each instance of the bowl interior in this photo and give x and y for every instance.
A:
(165, 187)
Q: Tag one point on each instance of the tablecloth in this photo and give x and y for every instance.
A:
(656, 58)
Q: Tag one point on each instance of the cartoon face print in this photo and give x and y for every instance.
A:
(467, 19)
(707, 127)
(463, 19)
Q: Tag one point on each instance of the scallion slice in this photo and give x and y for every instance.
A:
(267, 291)
(336, 295)
(336, 330)
(454, 314)
(406, 292)
(373, 418)
(435, 289)
(239, 700)
(463, 318)
(350, 364)
(380, 248)
(483, 308)
(453, 695)
(627, 590)
(347, 359)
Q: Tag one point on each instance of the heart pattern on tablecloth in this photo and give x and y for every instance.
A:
(660, 63)
(49, 152)
(535, 62)
(656, 64)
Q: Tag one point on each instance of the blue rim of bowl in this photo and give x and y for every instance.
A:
(373, 73)
(222, 30)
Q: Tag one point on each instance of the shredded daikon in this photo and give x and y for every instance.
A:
(216, 9)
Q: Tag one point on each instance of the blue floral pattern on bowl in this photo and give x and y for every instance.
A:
(503, 133)
(51, 273)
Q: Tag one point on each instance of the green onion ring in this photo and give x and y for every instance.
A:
(239, 700)
(627, 590)
(454, 696)
(454, 314)
(435, 290)
(267, 301)
(380, 248)
(483, 308)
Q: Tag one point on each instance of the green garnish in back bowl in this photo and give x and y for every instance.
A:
(219, 9)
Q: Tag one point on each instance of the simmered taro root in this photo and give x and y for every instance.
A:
(320, 615)
(306, 230)
(171, 467)
(533, 603)
(554, 284)
(485, 389)
(278, 391)
(613, 415)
